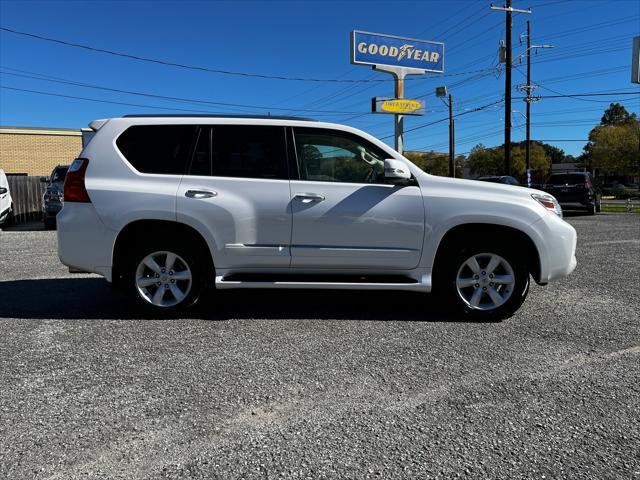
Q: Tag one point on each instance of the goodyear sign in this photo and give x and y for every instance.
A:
(377, 49)
(402, 106)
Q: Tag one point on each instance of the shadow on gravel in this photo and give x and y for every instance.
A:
(31, 226)
(93, 299)
(576, 213)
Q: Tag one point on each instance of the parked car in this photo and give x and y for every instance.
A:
(575, 190)
(6, 202)
(164, 206)
(53, 196)
(506, 179)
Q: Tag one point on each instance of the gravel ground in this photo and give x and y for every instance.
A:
(321, 384)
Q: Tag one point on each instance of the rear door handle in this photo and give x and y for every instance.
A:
(309, 197)
(200, 194)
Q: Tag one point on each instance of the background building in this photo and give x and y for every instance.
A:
(36, 150)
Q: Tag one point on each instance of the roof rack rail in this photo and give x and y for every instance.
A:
(200, 115)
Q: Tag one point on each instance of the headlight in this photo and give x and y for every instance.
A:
(549, 202)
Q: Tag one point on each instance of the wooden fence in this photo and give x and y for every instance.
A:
(26, 193)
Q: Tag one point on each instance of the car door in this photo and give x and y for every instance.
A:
(344, 213)
(236, 190)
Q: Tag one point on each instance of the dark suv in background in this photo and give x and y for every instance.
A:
(574, 190)
(53, 197)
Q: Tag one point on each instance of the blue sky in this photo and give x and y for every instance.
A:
(592, 53)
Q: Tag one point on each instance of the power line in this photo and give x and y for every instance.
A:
(32, 75)
(181, 65)
(575, 95)
(105, 101)
(447, 118)
(201, 68)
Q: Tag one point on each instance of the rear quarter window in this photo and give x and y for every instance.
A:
(162, 149)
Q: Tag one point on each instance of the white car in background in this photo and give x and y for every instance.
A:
(6, 202)
(164, 206)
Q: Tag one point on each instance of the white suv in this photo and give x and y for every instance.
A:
(164, 206)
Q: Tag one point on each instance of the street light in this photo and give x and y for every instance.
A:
(441, 93)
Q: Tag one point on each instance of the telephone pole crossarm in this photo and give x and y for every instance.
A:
(511, 9)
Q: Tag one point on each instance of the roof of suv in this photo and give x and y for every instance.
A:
(195, 115)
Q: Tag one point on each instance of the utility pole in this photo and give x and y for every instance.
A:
(452, 147)
(527, 153)
(507, 81)
(529, 99)
(441, 93)
(399, 119)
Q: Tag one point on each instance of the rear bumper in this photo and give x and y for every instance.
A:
(84, 242)
(578, 199)
(557, 248)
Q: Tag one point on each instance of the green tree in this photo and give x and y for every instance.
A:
(616, 114)
(556, 154)
(486, 161)
(490, 161)
(539, 160)
(615, 148)
(436, 163)
(613, 144)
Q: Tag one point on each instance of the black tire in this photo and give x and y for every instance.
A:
(591, 209)
(189, 258)
(11, 218)
(454, 263)
(49, 223)
(598, 205)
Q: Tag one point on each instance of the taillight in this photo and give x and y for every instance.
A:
(588, 184)
(74, 189)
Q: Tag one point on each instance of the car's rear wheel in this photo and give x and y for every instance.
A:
(592, 209)
(598, 205)
(164, 278)
(487, 282)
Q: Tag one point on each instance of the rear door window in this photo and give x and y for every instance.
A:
(248, 151)
(566, 179)
(160, 149)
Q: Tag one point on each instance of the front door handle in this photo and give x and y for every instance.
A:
(309, 197)
(200, 194)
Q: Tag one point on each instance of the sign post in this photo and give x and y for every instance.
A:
(399, 75)
(399, 57)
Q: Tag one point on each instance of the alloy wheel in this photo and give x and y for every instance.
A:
(163, 279)
(485, 281)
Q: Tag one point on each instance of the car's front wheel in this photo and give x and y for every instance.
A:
(164, 279)
(487, 283)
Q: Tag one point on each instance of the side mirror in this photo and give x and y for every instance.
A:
(44, 179)
(3, 190)
(395, 170)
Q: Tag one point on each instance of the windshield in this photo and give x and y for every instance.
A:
(566, 178)
(59, 174)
